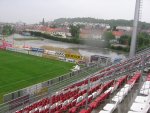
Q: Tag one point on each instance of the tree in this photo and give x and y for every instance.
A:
(112, 22)
(125, 40)
(114, 28)
(53, 26)
(143, 40)
(8, 30)
(75, 31)
(108, 36)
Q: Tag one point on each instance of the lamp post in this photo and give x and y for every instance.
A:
(135, 26)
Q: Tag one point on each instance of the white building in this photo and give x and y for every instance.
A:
(61, 34)
(125, 28)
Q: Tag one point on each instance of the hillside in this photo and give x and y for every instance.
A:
(119, 22)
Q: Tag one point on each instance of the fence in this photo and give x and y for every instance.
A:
(20, 50)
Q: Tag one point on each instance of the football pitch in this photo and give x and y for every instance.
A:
(20, 70)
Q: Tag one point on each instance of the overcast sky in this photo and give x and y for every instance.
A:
(32, 11)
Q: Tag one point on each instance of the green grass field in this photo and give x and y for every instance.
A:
(20, 70)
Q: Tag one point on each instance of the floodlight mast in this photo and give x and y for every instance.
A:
(135, 28)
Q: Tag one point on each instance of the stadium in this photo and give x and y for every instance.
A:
(105, 91)
(32, 80)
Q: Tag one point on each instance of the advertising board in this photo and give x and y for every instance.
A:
(73, 56)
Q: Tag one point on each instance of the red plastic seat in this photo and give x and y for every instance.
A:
(89, 99)
(58, 112)
(85, 111)
(79, 104)
(94, 105)
(73, 110)
(73, 103)
(148, 79)
(83, 102)
(64, 108)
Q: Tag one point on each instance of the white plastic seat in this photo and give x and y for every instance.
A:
(84, 95)
(70, 100)
(65, 102)
(141, 99)
(41, 109)
(125, 90)
(117, 99)
(74, 100)
(114, 88)
(134, 112)
(111, 89)
(120, 94)
(145, 91)
(132, 84)
(102, 111)
(79, 99)
(47, 106)
(145, 86)
(53, 106)
(137, 107)
(108, 90)
(110, 107)
(94, 94)
(147, 82)
(90, 96)
(99, 91)
(127, 85)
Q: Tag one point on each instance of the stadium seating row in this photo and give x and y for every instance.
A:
(41, 106)
(100, 98)
(119, 97)
(141, 103)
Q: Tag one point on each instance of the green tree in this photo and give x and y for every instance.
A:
(143, 40)
(108, 36)
(125, 40)
(114, 28)
(54, 26)
(75, 31)
(8, 30)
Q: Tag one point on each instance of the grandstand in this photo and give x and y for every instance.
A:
(119, 88)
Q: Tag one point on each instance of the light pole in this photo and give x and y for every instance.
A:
(135, 26)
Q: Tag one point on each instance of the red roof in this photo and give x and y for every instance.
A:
(48, 29)
(118, 33)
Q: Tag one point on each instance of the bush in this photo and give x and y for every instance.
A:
(126, 49)
(48, 36)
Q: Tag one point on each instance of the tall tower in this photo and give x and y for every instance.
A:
(135, 26)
